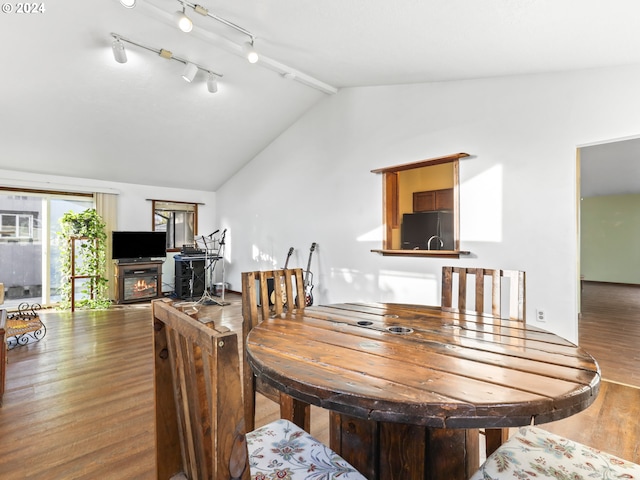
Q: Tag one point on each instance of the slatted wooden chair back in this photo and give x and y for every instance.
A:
(200, 428)
(3, 350)
(257, 303)
(487, 283)
(288, 291)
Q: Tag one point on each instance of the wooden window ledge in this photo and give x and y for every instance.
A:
(422, 253)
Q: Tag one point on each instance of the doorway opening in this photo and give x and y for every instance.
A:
(609, 211)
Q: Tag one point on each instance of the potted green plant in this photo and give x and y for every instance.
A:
(83, 244)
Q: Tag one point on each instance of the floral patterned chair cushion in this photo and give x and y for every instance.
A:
(534, 453)
(281, 450)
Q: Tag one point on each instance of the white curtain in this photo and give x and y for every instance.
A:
(107, 208)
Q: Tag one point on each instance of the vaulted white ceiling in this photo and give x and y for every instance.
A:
(69, 109)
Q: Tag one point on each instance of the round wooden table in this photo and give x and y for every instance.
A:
(409, 385)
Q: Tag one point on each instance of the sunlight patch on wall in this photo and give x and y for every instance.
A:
(374, 235)
(349, 285)
(481, 206)
(402, 284)
(346, 274)
(350, 276)
(261, 257)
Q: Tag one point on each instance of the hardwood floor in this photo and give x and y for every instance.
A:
(609, 424)
(78, 404)
(610, 329)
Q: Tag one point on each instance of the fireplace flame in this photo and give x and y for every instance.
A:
(139, 287)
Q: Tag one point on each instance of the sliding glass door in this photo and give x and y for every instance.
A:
(29, 252)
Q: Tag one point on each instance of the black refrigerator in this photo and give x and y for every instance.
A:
(418, 228)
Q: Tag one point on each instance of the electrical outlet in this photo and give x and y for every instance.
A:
(540, 315)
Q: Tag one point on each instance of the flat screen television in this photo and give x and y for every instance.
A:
(138, 246)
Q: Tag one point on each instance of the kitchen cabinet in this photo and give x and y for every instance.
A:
(431, 200)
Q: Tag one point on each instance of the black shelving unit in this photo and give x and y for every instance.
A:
(189, 271)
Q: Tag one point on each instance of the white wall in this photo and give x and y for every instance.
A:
(518, 190)
(134, 209)
(134, 213)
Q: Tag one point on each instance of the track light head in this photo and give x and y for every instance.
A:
(119, 53)
(212, 83)
(190, 68)
(128, 3)
(250, 52)
(184, 23)
(190, 71)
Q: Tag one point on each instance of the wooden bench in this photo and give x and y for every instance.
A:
(535, 453)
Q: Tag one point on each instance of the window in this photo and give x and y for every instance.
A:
(16, 226)
(29, 250)
(421, 208)
(178, 219)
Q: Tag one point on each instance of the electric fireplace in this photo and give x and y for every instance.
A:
(138, 282)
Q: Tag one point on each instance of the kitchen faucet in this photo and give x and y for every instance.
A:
(429, 242)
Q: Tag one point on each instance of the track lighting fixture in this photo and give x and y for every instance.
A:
(190, 70)
(245, 49)
(184, 23)
(119, 52)
(250, 52)
(189, 73)
(248, 49)
(212, 83)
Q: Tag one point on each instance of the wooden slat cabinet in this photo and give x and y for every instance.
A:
(430, 200)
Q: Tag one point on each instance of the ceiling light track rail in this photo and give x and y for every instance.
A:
(205, 12)
(247, 49)
(191, 68)
(164, 54)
